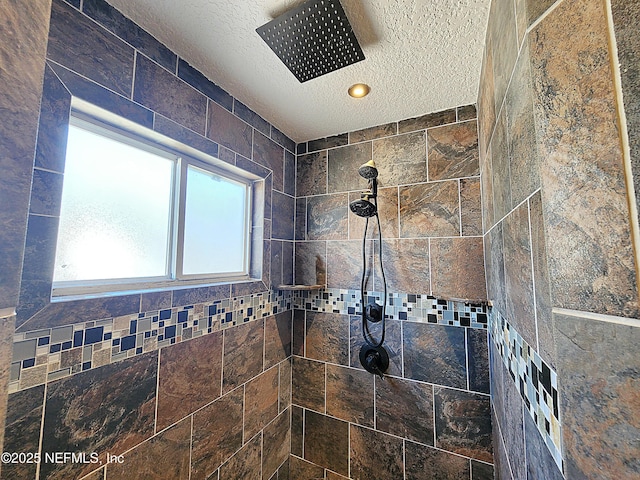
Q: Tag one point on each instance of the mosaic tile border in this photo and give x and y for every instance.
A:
(535, 380)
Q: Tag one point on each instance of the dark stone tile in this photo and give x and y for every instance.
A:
(191, 296)
(284, 388)
(22, 430)
(217, 433)
(540, 463)
(327, 337)
(536, 8)
(287, 262)
(406, 265)
(301, 148)
(311, 263)
(289, 173)
(463, 423)
(299, 468)
(427, 121)
(243, 352)
(478, 360)
(297, 429)
(392, 343)
(326, 442)
(246, 464)
(486, 180)
(494, 258)
(277, 438)
(46, 193)
(481, 471)
(401, 159)
(53, 125)
(276, 264)
(501, 462)
(268, 193)
(373, 133)
(298, 332)
(201, 83)
(260, 401)
(435, 354)
(598, 365)
(183, 135)
(308, 384)
(502, 25)
(496, 378)
(350, 395)
(343, 167)
(430, 210)
(328, 142)
(511, 420)
(344, 270)
(467, 112)
(311, 174)
(501, 180)
(405, 408)
(115, 22)
(334, 476)
(104, 410)
(301, 219)
(271, 155)
(163, 457)
(453, 151)
(247, 288)
(7, 329)
(387, 210)
(155, 301)
(163, 92)
(282, 139)
(426, 463)
(470, 207)
(251, 117)
(185, 382)
(457, 268)
(277, 338)
(327, 217)
(375, 454)
(80, 44)
(486, 98)
(283, 216)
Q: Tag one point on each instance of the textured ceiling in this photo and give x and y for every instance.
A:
(422, 56)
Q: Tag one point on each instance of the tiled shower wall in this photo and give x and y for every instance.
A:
(561, 269)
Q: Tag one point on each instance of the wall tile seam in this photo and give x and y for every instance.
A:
(375, 239)
(502, 441)
(526, 200)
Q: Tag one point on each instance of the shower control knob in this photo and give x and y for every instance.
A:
(374, 359)
(373, 312)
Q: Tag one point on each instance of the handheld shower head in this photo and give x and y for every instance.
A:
(363, 208)
(368, 170)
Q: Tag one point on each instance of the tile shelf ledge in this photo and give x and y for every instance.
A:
(301, 287)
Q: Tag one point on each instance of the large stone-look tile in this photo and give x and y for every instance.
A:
(299, 468)
(327, 217)
(481, 471)
(427, 121)
(283, 215)
(189, 377)
(191, 296)
(251, 117)
(500, 459)
(261, 401)
(277, 338)
(163, 457)
(392, 342)
(344, 269)
(328, 142)
(494, 258)
(583, 193)
(201, 83)
(298, 332)
(486, 185)
(599, 396)
(326, 442)
(243, 352)
(406, 265)
(311, 174)
(311, 263)
(510, 417)
(401, 159)
(453, 151)
(435, 354)
(372, 133)
(457, 268)
(470, 207)
(289, 173)
(405, 408)
(375, 454)
(500, 171)
(184, 135)
(301, 219)
(536, 8)
(478, 360)
(246, 464)
(425, 463)
(268, 153)
(217, 433)
(297, 429)
(463, 423)
(276, 443)
(7, 329)
(308, 384)
(284, 389)
(228, 130)
(163, 92)
(343, 167)
(486, 98)
(504, 45)
(275, 274)
(430, 210)
(387, 202)
(105, 410)
(540, 463)
(327, 337)
(350, 395)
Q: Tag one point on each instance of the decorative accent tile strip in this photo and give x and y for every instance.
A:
(536, 381)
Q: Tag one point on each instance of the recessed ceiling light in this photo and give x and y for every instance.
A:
(359, 90)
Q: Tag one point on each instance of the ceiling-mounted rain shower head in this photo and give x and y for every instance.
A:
(313, 39)
(368, 170)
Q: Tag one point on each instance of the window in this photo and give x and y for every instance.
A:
(138, 215)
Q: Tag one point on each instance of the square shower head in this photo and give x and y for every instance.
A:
(313, 39)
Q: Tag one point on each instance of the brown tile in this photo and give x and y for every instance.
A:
(155, 301)
(478, 360)
(387, 202)
(350, 395)
(283, 211)
(327, 337)
(501, 462)
(284, 471)
(426, 463)
(277, 338)
(467, 112)
(297, 428)
(401, 159)
(165, 456)
(284, 395)
(343, 167)
(537, 8)
(311, 263)
(299, 468)
(335, 476)
(69, 358)
(406, 265)
(486, 98)
(268, 153)
(463, 423)
(502, 24)
(308, 384)
(217, 433)
(435, 354)
(427, 121)
(405, 408)
(453, 151)
(345, 268)
(261, 401)
(470, 208)
(430, 210)
(229, 131)
(457, 268)
(328, 142)
(311, 174)
(392, 342)
(326, 442)
(482, 471)
(298, 332)
(189, 377)
(373, 132)
(300, 228)
(327, 217)
(375, 455)
(501, 176)
(588, 240)
(276, 443)
(494, 258)
(540, 463)
(243, 351)
(486, 180)
(246, 464)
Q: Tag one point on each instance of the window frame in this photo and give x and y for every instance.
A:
(105, 123)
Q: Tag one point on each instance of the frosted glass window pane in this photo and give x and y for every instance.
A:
(214, 230)
(116, 210)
